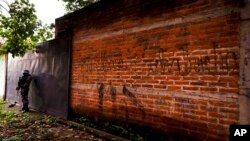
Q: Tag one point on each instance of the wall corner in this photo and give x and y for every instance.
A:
(244, 98)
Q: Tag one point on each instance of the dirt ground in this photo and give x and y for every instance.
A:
(31, 126)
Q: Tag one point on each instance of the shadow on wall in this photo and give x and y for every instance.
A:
(47, 90)
(111, 90)
(134, 100)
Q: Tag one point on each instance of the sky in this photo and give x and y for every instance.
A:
(47, 10)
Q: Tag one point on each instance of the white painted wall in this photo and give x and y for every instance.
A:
(2, 75)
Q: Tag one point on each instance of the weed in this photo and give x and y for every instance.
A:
(2, 101)
(13, 138)
(112, 128)
(70, 125)
(85, 121)
(51, 120)
(6, 115)
(45, 134)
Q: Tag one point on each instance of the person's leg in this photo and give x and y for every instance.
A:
(25, 101)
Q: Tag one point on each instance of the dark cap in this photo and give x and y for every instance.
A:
(26, 71)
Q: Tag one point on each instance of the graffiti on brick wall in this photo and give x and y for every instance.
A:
(111, 91)
(106, 61)
(153, 59)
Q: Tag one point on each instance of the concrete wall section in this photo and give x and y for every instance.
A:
(49, 67)
(2, 75)
(245, 64)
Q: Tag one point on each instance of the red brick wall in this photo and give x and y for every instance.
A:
(170, 66)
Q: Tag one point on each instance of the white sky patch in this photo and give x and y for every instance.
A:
(4, 8)
(48, 10)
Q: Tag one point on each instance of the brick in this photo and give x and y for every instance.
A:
(201, 113)
(199, 124)
(229, 90)
(232, 105)
(218, 103)
(215, 126)
(175, 114)
(182, 100)
(209, 109)
(229, 110)
(173, 88)
(190, 77)
(181, 82)
(209, 89)
(201, 83)
(199, 102)
(169, 98)
(227, 122)
(152, 81)
(190, 88)
(153, 96)
(209, 119)
(220, 84)
(190, 106)
(159, 77)
(216, 115)
(148, 86)
(228, 78)
(190, 116)
(233, 84)
(160, 86)
(209, 78)
(173, 78)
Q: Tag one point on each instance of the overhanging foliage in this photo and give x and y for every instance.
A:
(21, 30)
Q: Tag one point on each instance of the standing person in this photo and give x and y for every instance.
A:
(24, 84)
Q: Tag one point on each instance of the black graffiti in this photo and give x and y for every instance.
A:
(103, 62)
(204, 64)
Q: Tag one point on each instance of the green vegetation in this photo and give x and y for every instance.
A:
(73, 5)
(20, 30)
(2, 101)
(115, 129)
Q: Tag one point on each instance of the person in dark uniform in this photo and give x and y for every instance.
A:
(24, 84)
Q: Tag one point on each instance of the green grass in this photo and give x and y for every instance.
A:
(6, 116)
(2, 101)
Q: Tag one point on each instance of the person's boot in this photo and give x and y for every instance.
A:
(23, 109)
(26, 108)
